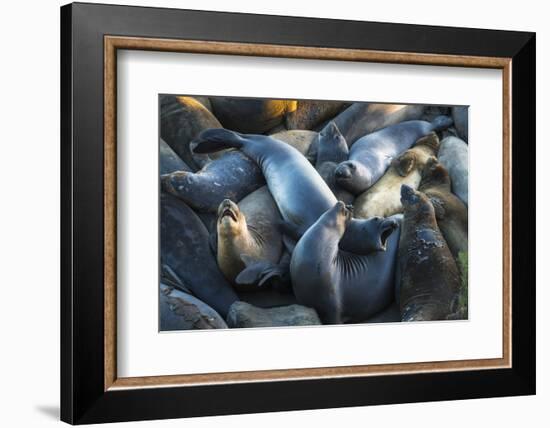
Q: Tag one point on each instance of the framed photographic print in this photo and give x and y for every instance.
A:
(266, 213)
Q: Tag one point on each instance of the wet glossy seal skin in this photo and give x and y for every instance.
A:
(450, 211)
(343, 287)
(251, 115)
(232, 176)
(169, 161)
(181, 120)
(430, 279)
(184, 241)
(371, 155)
(384, 198)
(332, 150)
(299, 191)
(248, 233)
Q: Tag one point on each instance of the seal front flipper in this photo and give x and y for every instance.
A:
(260, 271)
(214, 140)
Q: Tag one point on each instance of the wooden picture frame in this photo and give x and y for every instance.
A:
(90, 389)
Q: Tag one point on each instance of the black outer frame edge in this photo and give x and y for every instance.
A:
(66, 306)
(83, 398)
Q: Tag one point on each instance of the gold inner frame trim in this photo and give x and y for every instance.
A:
(113, 43)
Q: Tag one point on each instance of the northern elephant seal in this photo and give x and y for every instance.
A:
(450, 212)
(232, 176)
(430, 279)
(169, 161)
(371, 155)
(460, 118)
(309, 114)
(299, 191)
(384, 197)
(453, 155)
(181, 120)
(182, 311)
(248, 233)
(332, 150)
(184, 248)
(253, 115)
(341, 286)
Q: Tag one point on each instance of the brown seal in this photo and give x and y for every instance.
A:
(248, 233)
(450, 211)
(429, 277)
(384, 197)
(310, 114)
(181, 120)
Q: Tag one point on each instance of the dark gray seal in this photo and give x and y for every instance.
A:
(332, 150)
(169, 161)
(450, 212)
(181, 120)
(184, 248)
(253, 115)
(182, 311)
(430, 280)
(460, 117)
(361, 119)
(232, 176)
(453, 155)
(341, 286)
(299, 191)
(371, 155)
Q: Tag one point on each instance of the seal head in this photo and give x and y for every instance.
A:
(353, 176)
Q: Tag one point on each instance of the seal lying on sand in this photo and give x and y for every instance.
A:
(371, 155)
(450, 212)
(341, 286)
(384, 198)
(430, 279)
(299, 191)
(181, 120)
(248, 233)
(184, 243)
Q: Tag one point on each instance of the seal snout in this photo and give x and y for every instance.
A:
(344, 171)
(408, 195)
(228, 209)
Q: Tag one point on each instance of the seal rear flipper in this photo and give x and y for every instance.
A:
(214, 140)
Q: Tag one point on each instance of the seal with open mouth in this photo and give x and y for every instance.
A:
(344, 287)
(248, 234)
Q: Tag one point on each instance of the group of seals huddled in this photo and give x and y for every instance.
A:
(285, 212)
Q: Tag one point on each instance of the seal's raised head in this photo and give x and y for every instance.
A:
(353, 176)
(415, 202)
(230, 219)
(332, 145)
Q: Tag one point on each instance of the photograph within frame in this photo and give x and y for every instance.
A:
(243, 180)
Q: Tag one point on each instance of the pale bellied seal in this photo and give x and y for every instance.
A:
(363, 118)
(309, 114)
(184, 248)
(453, 155)
(181, 120)
(181, 311)
(232, 176)
(299, 191)
(332, 149)
(341, 286)
(430, 279)
(450, 211)
(372, 154)
(251, 114)
(460, 117)
(384, 198)
(169, 161)
(248, 233)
